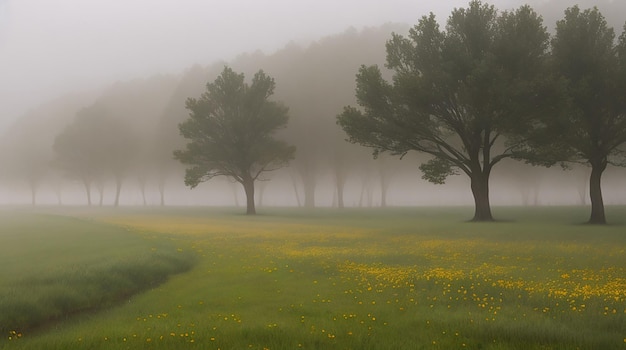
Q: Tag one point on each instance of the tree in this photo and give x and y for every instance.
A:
(93, 147)
(230, 130)
(26, 156)
(455, 94)
(120, 153)
(167, 135)
(76, 154)
(141, 102)
(592, 126)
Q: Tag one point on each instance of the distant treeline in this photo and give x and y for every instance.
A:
(126, 133)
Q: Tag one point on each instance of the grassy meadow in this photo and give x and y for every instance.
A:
(402, 278)
(54, 267)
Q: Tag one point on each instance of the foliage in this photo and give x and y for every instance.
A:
(585, 55)
(437, 170)
(589, 125)
(455, 93)
(94, 146)
(230, 131)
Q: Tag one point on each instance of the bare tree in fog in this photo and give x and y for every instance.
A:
(455, 94)
(230, 130)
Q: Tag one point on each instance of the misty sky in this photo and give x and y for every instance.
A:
(51, 47)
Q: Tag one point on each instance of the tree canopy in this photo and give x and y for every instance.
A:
(455, 94)
(94, 146)
(590, 126)
(230, 131)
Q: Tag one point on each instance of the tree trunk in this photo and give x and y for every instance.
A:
(248, 187)
(295, 189)
(383, 197)
(142, 188)
(88, 191)
(233, 186)
(340, 186)
(143, 196)
(309, 193)
(384, 174)
(582, 188)
(309, 182)
(366, 195)
(480, 191)
(595, 193)
(582, 193)
(118, 189)
(340, 180)
(384, 187)
(361, 196)
(525, 191)
(261, 189)
(101, 191)
(33, 193)
(162, 192)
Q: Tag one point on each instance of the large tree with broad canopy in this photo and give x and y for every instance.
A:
(456, 94)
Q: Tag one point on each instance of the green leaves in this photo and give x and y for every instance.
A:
(456, 94)
(585, 55)
(437, 170)
(230, 130)
(455, 91)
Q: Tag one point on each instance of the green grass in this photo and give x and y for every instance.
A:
(56, 267)
(365, 279)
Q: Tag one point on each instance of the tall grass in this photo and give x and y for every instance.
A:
(363, 279)
(53, 267)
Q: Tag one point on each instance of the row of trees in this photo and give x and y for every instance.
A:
(493, 86)
(480, 88)
(149, 111)
(111, 140)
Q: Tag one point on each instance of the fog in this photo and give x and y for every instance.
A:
(139, 60)
(49, 48)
